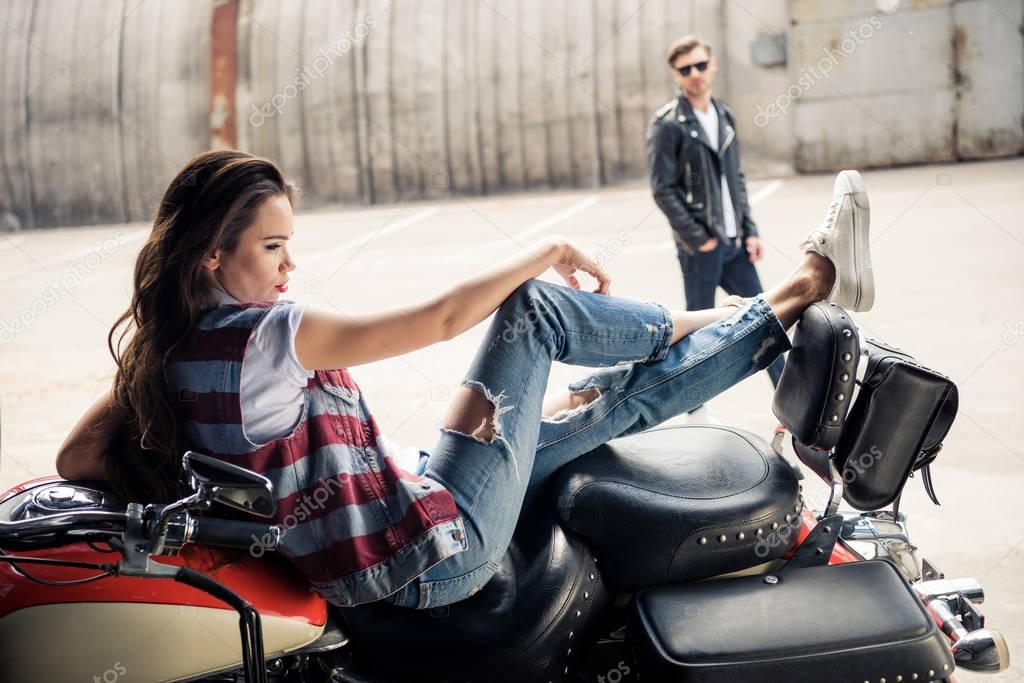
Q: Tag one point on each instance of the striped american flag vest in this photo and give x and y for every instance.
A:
(355, 524)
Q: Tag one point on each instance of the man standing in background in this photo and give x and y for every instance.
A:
(694, 161)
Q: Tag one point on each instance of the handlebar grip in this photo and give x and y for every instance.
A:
(230, 533)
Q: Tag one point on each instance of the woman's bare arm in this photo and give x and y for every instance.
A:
(83, 453)
(326, 340)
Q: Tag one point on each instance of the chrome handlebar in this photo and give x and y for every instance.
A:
(164, 529)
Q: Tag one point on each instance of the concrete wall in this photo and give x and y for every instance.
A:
(367, 101)
(767, 143)
(360, 101)
(102, 103)
(457, 96)
(989, 44)
(934, 81)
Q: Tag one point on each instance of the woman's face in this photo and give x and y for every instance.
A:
(257, 269)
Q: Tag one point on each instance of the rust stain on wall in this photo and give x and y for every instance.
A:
(223, 122)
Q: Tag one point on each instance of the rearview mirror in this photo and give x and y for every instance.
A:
(229, 484)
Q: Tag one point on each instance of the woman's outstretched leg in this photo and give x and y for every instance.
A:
(618, 401)
(486, 453)
(810, 282)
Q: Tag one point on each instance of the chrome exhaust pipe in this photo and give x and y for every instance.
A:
(983, 650)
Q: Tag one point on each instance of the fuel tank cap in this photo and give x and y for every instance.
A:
(65, 497)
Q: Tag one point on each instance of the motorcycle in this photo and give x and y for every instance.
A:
(686, 553)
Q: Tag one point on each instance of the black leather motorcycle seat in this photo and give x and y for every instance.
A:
(524, 625)
(681, 503)
(752, 629)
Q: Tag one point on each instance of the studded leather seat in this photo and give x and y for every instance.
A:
(524, 625)
(642, 504)
(681, 503)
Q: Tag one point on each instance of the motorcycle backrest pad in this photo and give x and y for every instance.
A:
(902, 413)
(814, 393)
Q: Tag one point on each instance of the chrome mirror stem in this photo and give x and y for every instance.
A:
(200, 500)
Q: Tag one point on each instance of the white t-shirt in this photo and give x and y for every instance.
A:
(709, 122)
(273, 382)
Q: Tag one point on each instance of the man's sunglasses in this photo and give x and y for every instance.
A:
(701, 66)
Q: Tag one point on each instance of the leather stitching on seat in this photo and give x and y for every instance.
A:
(626, 484)
(754, 541)
(741, 523)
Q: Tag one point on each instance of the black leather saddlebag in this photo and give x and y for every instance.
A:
(901, 414)
(848, 622)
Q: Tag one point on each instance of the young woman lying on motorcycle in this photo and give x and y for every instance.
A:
(210, 359)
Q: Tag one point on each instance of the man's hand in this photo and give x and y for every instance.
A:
(755, 252)
(709, 245)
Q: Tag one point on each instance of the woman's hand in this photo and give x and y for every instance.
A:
(574, 259)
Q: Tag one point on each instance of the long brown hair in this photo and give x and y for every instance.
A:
(207, 206)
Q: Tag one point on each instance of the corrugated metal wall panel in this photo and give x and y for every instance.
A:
(990, 49)
(935, 81)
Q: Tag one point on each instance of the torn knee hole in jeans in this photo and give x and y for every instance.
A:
(489, 428)
(489, 431)
(586, 397)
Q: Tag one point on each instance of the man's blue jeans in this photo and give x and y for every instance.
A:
(642, 380)
(728, 267)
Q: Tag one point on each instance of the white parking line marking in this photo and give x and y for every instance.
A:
(548, 222)
(667, 245)
(768, 189)
(362, 240)
(560, 216)
(10, 242)
(71, 256)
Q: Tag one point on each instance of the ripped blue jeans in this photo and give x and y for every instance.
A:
(643, 380)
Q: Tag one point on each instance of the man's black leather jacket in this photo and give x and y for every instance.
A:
(686, 174)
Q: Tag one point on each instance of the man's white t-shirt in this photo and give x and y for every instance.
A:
(709, 122)
(273, 382)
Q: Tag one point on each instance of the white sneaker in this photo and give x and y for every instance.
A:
(843, 238)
